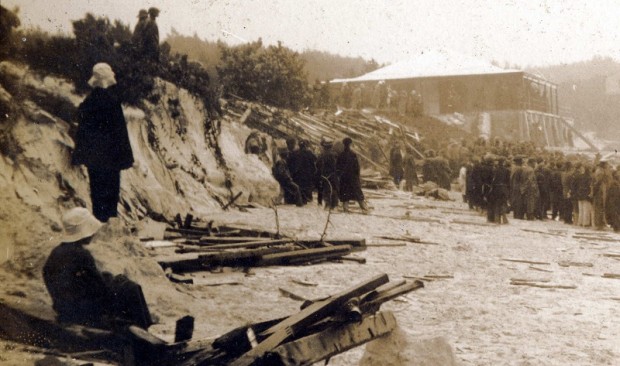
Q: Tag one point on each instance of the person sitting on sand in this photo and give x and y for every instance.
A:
(83, 295)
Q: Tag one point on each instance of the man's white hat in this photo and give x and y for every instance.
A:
(79, 223)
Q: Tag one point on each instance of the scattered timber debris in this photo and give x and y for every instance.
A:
(539, 269)
(595, 238)
(542, 232)
(516, 282)
(386, 244)
(408, 238)
(430, 277)
(524, 261)
(205, 248)
(575, 264)
(320, 330)
(611, 275)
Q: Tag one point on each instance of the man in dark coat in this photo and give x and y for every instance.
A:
(612, 206)
(486, 180)
(150, 41)
(517, 180)
(81, 294)
(500, 191)
(411, 174)
(567, 182)
(305, 175)
(543, 177)
(529, 189)
(555, 190)
(328, 175)
(348, 168)
(600, 184)
(102, 142)
(396, 164)
(280, 171)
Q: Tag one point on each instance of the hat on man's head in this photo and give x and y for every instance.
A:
(154, 12)
(326, 142)
(78, 224)
(103, 76)
(347, 141)
(143, 13)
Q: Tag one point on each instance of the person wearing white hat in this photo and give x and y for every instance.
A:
(81, 294)
(102, 142)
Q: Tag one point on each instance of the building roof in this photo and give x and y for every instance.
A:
(432, 64)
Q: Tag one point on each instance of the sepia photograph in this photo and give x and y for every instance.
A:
(311, 182)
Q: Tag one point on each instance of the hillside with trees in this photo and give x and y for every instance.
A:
(318, 64)
(583, 95)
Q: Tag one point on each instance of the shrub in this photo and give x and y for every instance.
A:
(274, 75)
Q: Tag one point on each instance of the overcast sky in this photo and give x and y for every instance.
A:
(522, 32)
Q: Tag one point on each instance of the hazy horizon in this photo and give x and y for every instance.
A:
(527, 34)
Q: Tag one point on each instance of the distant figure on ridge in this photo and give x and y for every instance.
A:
(137, 39)
(151, 36)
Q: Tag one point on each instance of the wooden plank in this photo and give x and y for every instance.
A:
(533, 284)
(327, 343)
(309, 315)
(296, 256)
(372, 304)
(190, 232)
(250, 244)
(524, 261)
(596, 238)
(228, 239)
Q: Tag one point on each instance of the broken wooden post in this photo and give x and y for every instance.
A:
(311, 314)
(334, 340)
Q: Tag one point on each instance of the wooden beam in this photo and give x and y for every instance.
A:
(332, 341)
(309, 315)
(374, 302)
(304, 255)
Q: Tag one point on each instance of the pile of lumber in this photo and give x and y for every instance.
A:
(320, 330)
(366, 129)
(192, 249)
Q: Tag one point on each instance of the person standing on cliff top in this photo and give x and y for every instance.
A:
(102, 142)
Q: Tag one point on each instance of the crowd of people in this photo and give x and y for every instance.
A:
(334, 174)
(380, 96)
(535, 184)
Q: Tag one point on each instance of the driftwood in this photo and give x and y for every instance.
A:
(611, 275)
(386, 245)
(524, 261)
(291, 295)
(539, 269)
(410, 239)
(575, 264)
(541, 232)
(533, 284)
(596, 238)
